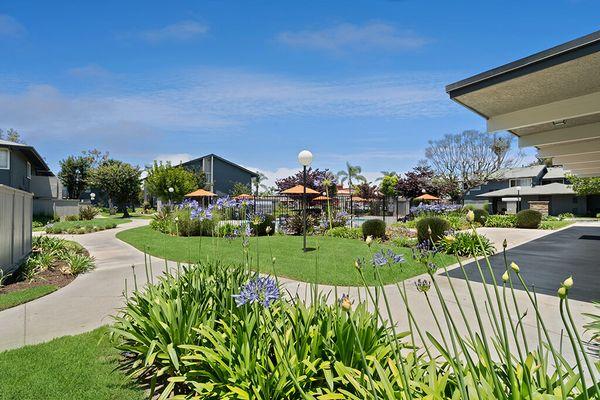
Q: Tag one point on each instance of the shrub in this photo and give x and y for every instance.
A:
(373, 227)
(72, 218)
(480, 215)
(344, 232)
(41, 220)
(528, 219)
(87, 213)
(436, 225)
(78, 263)
(261, 229)
(466, 244)
(501, 221)
(293, 224)
(566, 215)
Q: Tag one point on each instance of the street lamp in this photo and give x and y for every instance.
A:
(304, 158)
(92, 197)
(171, 190)
(518, 198)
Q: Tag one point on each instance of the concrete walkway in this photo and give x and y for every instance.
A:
(90, 300)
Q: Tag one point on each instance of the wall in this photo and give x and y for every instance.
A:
(46, 187)
(488, 187)
(16, 176)
(56, 207)
(225, 175)
(565, 204)
(15, 227)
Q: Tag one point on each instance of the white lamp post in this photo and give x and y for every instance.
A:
(304, 158)
(171, 190)
(92, 197)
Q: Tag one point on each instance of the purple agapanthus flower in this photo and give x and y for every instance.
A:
(262, 290)
(434, 208)
(388, 257)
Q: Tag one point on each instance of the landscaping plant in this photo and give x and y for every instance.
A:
(528, 219)
(431, 229)
(87, 213)
(501, 221)
(374, 228)
(467, 244)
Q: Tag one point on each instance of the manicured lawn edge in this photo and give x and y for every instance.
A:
(331, 264)
(13, 299)
(99, 224)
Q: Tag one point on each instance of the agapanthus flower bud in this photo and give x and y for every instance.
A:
(515, 267)
(568, 283)
(505, 276)
(470, 216)
(268, 229)
(450, 239)
(504, 243)
(369, 240)
(562, 292)
(345, 303)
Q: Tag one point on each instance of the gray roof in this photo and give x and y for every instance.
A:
(540, 190)
(554, 173)
(252, 173)
(31, 153)
(521, 172)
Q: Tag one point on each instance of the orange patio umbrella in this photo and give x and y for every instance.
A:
(426, 197)
(244, 196)
(200, 193)
(299, 189)
(322, 198)
(358, 199)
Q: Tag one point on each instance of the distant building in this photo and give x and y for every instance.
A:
(539, 187)
(221, 174)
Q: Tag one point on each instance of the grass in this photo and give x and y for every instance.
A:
(11, 299)
(68, 368)
(552, 225)
(335, 257)
(99, 223)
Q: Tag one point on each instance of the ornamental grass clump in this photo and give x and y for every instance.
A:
(223, 332)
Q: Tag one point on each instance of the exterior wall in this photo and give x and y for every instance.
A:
(488, 187)
(541, 206)
(226, 175)
(16, 176)
(568, 204)
(46, 187)
(15, 227)
(56, 207)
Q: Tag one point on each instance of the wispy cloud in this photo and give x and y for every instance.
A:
(202, 102)
(89, 71)
(348, 37)
(179, 31)
(10, 27)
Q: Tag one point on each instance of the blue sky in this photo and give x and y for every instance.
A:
(257, 81)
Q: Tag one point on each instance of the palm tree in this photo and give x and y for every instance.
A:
(351, 172)
(257, 181)
(386, 173)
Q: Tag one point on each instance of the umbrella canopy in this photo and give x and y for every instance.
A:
(426, 197)
(244, 196)
(358, 199)
(322, 198)
(200, 193)
(299, 189)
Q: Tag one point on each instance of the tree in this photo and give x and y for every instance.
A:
(470, 158)
(257, 181)
(161, 177)
(352, 172)
(417, 181)
(388, 185)
(11, 135)
(240, 188)
(585, 186)
(119, 180)
(74, 174)
(315, 179)
(384, 174)
(365, 190)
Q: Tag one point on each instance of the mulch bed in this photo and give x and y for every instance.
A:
(51, 276)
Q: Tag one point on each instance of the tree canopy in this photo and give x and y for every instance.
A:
(388, 185)
(11, 135)
(315, 179)
(119, 180)
(74, 174)
(163, 176)
(585, 186)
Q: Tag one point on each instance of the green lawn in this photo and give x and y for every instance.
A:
(100, 223)
(551, 225)
(334, 258)
(11, 299)
(69, 368)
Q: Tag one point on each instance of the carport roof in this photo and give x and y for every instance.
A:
(540, 190)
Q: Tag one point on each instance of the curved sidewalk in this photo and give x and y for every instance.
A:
(90, 300)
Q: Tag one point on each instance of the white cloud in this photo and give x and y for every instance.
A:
(89, 71)
(347, 37)
(10, 27)
(273, 175)
(179, 31)
(174, 159)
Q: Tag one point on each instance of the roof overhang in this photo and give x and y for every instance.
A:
(550, 100)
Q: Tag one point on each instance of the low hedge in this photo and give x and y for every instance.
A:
(528, 219)
(345, 232)
(373, 227)
(436, 225)
(500, 221)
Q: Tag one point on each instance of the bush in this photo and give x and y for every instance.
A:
(344, 232)
(438, 226)
(373, 227)
(78, 263)
(294, 224)
(72, 218)
(500, 221)
(87, 213)
(566, 215)
(261, 229)
(528, 219)
(480, 215)
(41, 220)
(466, 244)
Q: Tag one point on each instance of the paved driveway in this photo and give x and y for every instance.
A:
(546, 261)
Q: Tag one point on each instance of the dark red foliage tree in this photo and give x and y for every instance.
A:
(366, 191)
(315, 179)
(418, 181)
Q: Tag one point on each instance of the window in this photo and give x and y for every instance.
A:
(4, 159)
(28, 170)
(521, 182)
